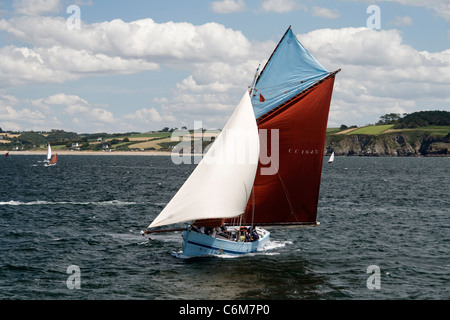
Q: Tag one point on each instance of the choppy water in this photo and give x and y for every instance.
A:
(393, 213)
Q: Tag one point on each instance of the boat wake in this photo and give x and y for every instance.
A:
(274, 244)
(180, 255)
(270, 249)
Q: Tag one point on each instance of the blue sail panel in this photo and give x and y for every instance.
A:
(289, 71)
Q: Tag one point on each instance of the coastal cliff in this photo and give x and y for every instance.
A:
(388, 144)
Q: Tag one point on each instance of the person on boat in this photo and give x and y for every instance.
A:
(222, 231)
(242, 234)
(254, 235)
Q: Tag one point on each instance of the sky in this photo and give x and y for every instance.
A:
(134, 66)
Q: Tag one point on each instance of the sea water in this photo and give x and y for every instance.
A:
(73, 232)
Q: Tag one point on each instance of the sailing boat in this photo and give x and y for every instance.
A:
(331, 158)
(51, 161)
(291, 95)
(219, 188)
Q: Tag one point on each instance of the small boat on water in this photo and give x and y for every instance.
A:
(229, 203)
(53, 161)
(218, 189)
(331, 158)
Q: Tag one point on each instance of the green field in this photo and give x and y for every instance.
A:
(332, 130)
(437, 130)
(372, 129)
(380, 129)
(151, 135)
(149, 144)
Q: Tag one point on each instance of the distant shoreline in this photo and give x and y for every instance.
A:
(93, 153)
(168, 153)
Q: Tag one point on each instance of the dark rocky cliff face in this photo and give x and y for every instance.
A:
(393, 144)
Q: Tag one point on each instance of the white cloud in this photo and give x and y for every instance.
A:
(213, 109)
(361, 47)
(228, 6)
(144, 38)
(102, 115)
(57, 54)
(282, 6)
(14, 116)
(68, 111)
(325, 12)
(401, 21)
(74, 105)
(189, 84)
(221, 61)
(440, 7)
(380, 73)
(64, 99)
(36, 7)
(22, 65)
(149, 116)
(83, 2)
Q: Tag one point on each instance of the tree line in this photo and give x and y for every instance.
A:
(416, 119)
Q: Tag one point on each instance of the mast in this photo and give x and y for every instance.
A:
(252, 86)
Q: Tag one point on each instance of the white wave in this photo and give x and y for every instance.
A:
(113, 202)
(273, 244)
(179, 255)
(41, 202)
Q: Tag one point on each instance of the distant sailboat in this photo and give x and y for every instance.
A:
(6, 154)
(331, 158)
(292, 94)
(51, 161)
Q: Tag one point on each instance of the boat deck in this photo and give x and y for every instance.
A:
(200, 244)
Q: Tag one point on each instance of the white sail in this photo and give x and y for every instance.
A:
(49, 153)
(331, 158)
(221, 184)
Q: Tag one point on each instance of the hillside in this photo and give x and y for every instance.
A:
(424, 133)
(70, 141)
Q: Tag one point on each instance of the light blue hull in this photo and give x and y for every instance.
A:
(196, 244)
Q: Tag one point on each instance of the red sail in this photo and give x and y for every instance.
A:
(291, 195)
(54, 159)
